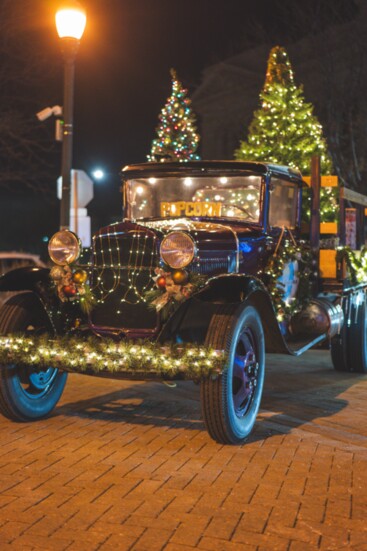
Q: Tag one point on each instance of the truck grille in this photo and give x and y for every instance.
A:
(213, 265)
(123, 266)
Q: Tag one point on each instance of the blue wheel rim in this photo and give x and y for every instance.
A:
(35, 384)
(245, 373)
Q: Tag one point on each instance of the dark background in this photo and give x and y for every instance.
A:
(122, 82)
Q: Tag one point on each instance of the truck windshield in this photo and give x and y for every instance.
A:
(232, 197)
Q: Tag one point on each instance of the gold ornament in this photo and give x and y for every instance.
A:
(80, 276)
(180, 277)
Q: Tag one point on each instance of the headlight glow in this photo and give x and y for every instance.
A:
(177, 250)
(64, 247)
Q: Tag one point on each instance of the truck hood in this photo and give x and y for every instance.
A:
(220, 246)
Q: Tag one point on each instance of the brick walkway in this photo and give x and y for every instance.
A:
(127, 465)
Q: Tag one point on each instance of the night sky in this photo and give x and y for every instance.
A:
(127, 51)
(128, 48)
(124, 62)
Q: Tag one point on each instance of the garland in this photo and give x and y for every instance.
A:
(356, 263)
(94, 355)
(289, 251)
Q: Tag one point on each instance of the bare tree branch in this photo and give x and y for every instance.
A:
(27, 149)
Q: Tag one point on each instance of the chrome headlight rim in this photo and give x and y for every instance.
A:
(64, 247)
(189, 254)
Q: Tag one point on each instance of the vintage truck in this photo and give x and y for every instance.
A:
(209, 269)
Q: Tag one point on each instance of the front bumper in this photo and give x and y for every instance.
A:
(124, 359)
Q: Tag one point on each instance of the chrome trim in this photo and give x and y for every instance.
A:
(194, 251)
(237, 248)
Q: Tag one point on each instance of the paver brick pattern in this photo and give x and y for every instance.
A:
(124, 465)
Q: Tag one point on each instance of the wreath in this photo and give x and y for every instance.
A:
(71, 286)
(286, 251)
(171, 288)
(356, 262)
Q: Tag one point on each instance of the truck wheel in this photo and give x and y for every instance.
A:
(357, 339)
(339, 352)
(25, 394)
(231, 401)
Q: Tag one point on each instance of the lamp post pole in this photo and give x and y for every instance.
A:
(69, 50)
(70, 23)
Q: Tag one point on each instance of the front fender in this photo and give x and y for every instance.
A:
(231, 288)
(224, 294)
(37, 280)
(34, 279)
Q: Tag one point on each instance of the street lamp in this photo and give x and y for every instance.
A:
(70, 25)
(98, 174)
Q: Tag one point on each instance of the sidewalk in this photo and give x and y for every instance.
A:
(128, 465)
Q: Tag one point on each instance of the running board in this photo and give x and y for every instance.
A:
(296, 348)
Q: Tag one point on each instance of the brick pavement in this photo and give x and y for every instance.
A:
(128, 465)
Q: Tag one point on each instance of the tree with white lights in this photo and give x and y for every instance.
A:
(284, 130)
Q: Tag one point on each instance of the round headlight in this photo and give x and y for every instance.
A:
(177, 250)
(64, 247)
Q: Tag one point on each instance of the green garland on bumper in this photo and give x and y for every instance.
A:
(93, 355)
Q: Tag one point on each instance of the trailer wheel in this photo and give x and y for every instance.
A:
(230, 402)
(25, 393)
(357, 338)
(339, 351)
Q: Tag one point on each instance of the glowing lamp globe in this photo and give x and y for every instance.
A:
(98, 174)
(70, 22)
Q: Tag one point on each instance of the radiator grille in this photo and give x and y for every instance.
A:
(213, 265)
(123, 266)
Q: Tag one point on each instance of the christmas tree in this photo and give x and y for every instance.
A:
(284, 130)
(177, 137)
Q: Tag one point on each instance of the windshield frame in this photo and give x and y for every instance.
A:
(127, 208)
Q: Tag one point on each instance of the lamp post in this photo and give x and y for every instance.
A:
(70, 25)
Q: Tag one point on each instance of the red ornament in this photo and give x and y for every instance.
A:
(69, 290)
(161, 282)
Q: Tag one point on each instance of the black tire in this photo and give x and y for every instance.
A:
(230, 402)
(25, 394)
(339, 351)
(357, 337)
(349, 348)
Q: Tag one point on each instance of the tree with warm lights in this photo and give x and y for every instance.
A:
(284, 130)
(177, 137)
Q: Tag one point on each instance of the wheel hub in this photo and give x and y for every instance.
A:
(245, 374)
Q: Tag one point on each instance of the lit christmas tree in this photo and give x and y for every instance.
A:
(284, 130)
(177, 138)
